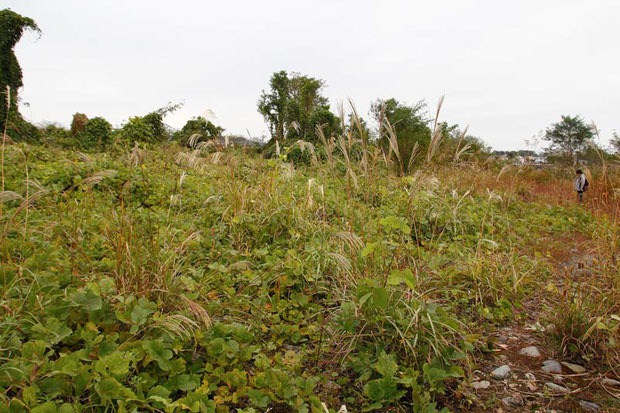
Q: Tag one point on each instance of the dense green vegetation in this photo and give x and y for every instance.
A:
(171, 279)
(147, 269)
(12, 27)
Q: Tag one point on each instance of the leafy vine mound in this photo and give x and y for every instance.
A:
(166, 279)
(12, 27)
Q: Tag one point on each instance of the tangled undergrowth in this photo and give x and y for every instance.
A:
(166, 279)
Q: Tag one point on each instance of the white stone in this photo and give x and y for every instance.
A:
(610, 382)
(557, 388)
(588, 406)
(551, 366)
(531, 351)
(502, 372)
(511, 401)
(484, 384)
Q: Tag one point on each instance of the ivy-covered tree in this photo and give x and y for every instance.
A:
(569, 137)
(12, 27)
(615, 142)
(409, 124)
(294, 106)
(97, 134)
(78, 123)
(200, 126)
(149, 128)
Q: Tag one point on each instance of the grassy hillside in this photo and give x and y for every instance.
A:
(169, 279)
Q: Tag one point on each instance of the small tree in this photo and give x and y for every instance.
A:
(12, 26)
(569, 137)
(294, 106)
(149, 128)
(78, 124)
(409, 125)
(97, 134)
(615, 142)
(200, 126)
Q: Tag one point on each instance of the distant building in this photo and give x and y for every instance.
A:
(237, 141)
(530, 160)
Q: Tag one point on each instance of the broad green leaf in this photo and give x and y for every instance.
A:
(65, 408)
(365, 298)
(157, 351)
(49, 407)
(258, 398)
(386, 365)
(34, 349)
(141, 311)
(116, 363)
(108, 389)
(369, 249)
(183, 382)
(53, 332)
(380, 297)
(87, 299)
(406, 276)
(216, 347)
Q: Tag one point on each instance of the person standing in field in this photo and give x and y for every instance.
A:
(581, 184)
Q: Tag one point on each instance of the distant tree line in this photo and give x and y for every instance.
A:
(98, 134)
(514, 154)
(294, 109)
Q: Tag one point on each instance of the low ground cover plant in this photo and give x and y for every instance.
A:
(195, 279)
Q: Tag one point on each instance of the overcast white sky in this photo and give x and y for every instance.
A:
(507, 68)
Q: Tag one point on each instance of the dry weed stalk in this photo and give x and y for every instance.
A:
(347, 161)
(362, 136)
(437, 134)
(26, 202)
(393, 146)
(6, 122)
(96, 178)
(328, 146)
(137, 155)
(461, 151)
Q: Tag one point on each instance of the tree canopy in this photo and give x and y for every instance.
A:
(569, 137)
(206, 129)
(12, 27)
(615, 142)
(408, 122)
(294, 106)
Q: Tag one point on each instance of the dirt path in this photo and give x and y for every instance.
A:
(526, 387)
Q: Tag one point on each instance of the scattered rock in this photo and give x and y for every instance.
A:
(332, 385)
(610, 382)
(502, 339)
(588, 406)
(531, 351)
(530, 376)
(484, 384)
(551, 366)
(557, 388)
(502, 372)
(511, 401)
(576, 368)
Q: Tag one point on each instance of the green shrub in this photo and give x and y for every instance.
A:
(149, 128)
(200, 126)
(97, 134)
